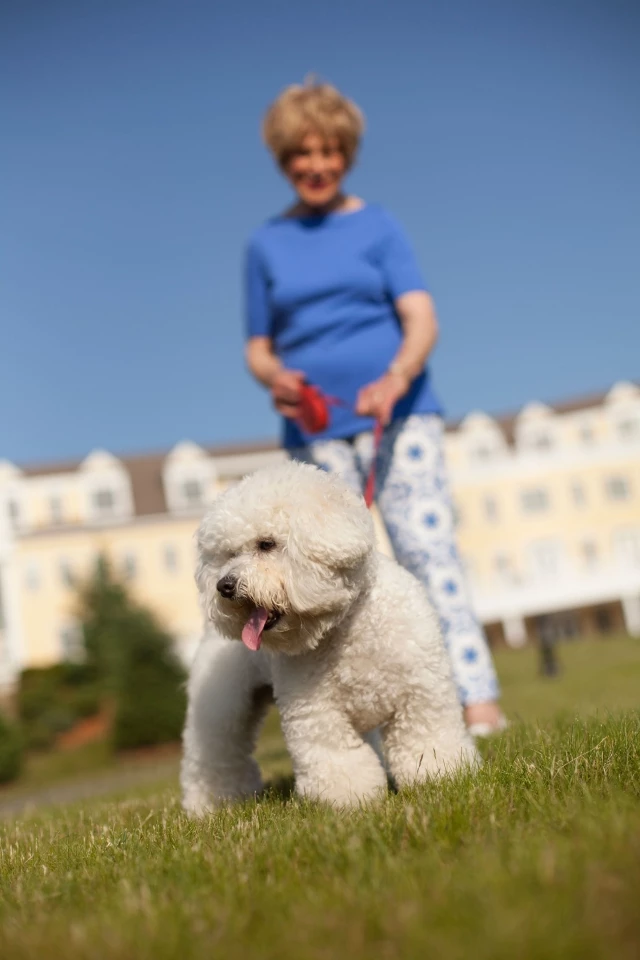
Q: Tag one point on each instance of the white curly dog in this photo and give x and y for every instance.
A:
(299, 601)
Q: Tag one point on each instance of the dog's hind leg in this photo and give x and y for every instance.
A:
(229, 693)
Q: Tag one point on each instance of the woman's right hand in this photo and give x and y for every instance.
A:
(285, 392)
(284, 385)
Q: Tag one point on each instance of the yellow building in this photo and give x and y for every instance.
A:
(548, 508)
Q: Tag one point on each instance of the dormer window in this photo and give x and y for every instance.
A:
(104, 502)
(482, 439)
(535, 429)
(482, 453)
(14, 514)
(188, 477)
(623, 402)
(586, 434)
(629, 429)
(109, 496)
(542, 441)
(192, 493)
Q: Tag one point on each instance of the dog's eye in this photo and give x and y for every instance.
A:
(266, 544)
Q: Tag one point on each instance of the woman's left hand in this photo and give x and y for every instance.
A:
(378, 399)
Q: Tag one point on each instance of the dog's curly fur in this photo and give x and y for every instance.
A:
(357, 646)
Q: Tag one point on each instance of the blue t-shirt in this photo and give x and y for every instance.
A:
(323, 289)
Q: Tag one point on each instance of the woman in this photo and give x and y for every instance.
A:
(335, 296)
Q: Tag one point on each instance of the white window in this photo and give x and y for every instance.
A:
(104, 502)
(72, 643)
(192, 493)
(66, 574)
(55, 510)
(626, 547)
(589, 551)
(469, 567)
(578, 494)
(129, 566)
(542, 441)
(617, 488)
(504, 568)
(14, 513)
(491, 509)
(32, 576)
(170, 557)
(188, 474)
(586, 434)
(535, 500)
(482, 453)
(545, 557)
(629, 429)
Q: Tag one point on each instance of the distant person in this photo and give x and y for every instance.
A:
(335, 296)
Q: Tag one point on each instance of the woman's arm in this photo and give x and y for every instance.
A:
(267, 368)
(420, 328)
(417, 315)
(261, 360)
(260, 355)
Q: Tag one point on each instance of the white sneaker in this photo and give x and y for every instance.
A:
(488, 729)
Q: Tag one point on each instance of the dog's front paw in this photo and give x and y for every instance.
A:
(197, 805)
(348, 778)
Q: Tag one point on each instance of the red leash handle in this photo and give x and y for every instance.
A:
(314, 417)
(313, 414)
(370, 489)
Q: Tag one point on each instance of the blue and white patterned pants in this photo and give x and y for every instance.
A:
(412, 494)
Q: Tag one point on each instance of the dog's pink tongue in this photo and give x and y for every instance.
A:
(252, 630)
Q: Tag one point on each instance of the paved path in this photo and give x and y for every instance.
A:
(86, 788)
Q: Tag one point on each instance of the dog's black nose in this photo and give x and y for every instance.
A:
(227, 586)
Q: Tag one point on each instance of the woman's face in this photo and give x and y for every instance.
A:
(316, 170)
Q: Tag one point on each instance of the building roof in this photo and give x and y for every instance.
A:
(507, 421)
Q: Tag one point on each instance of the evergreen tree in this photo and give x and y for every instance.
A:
(134, 657)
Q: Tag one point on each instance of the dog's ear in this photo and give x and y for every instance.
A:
(334, 527)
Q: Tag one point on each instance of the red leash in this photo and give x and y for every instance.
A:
(314, 417)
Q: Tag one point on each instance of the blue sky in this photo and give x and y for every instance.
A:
(506, 137)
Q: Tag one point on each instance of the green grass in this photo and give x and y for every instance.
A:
(44, 768)
(537, 857)
(596, 675)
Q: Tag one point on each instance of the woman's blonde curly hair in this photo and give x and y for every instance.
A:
(312, 107)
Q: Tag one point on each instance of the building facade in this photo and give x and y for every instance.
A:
(547, 501)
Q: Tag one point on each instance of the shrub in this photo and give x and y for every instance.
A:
(87, 701)
(52, 699)
(150, 700)
(134, 656)
(10, 751)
